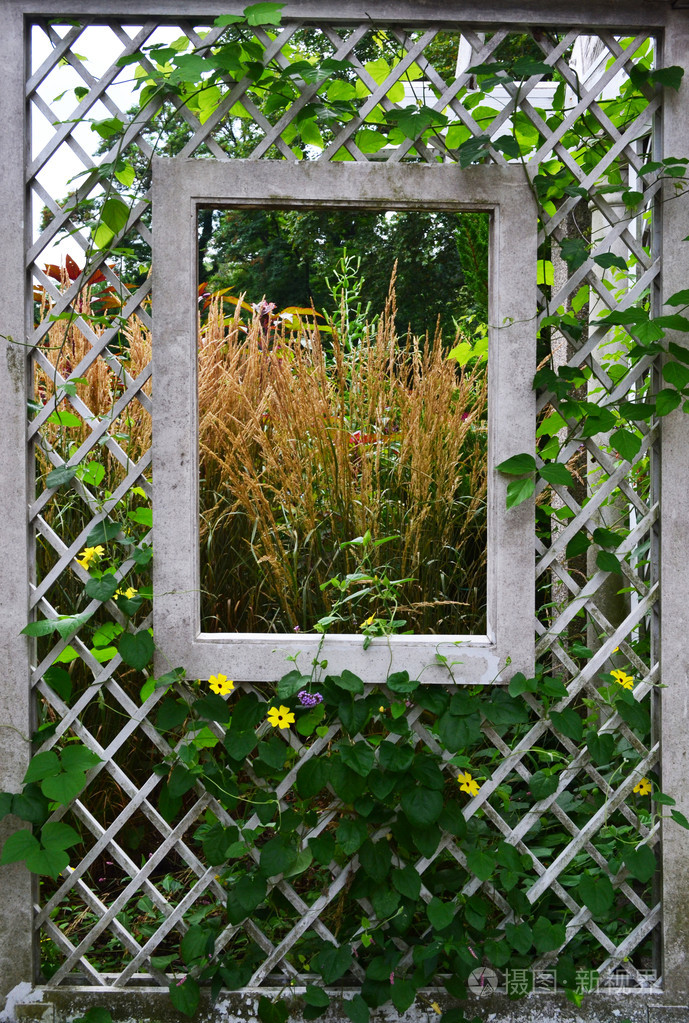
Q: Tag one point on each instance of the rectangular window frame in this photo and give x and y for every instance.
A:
(180, 188)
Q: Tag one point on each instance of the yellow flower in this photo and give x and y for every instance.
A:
(381, 710)
(622, 679)
(644, 787)
(281, 717)
(221, 684)
(128, 593)
(436, 1008)
(369, 621)
(90, 554)
(467, 783)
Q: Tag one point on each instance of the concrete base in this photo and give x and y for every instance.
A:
(152, 1005)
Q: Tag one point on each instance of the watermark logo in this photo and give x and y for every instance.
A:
(483, 981)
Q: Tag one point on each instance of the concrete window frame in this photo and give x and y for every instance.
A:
(180, 188)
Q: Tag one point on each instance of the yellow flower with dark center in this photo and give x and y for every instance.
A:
(90, 554)
(221, 684)
(467, 783)
(644, 787)
(623, 679)
(280, 717)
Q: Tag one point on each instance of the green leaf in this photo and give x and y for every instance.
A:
(668, 77)
(60, 681)
(18, 846)
(216, 843)
(64, 626)
(316, 996)
(64, 787)
(473, 150)
(667, 401)
(542, 785)
(264, 13)
(79, 758)
(440, 914)
(58, 477)
(270, 1011)
(680, 819)
(481, 863)
(548, 936)
(171, 714)
(641, 863)
(504, 709)
(556, 473)
(608, 259)
(102, 589)
(348, 681)
(402, 994)
(677, 374)
(407, 882)
(63, 417)
(608, 562)
(351, 835)
(626, 443)
(313, 776)
(399, 682)
(332, 963)
(456, 732)
(356, 1009)
(395, 757)
(568, 722)
(517, 465)
(180, 781)
(519, 936)
(185, 997)
(30, 805)
(196, 944)
(359, 758)
(375, 858)
(520, 684)
(114, 214)
(58, 836)
(323, 848)
(577, 545)
(574, 251)
(290, 684)
(277, 856)
(422, 806)
(47, 861)
(136, 649)
(679, 298)
(519, 491)
(240, 744)
(125, 174)
(370, 141)
(42, 765)
(212, 707)
(245, 896)
(142, 516)
(597, 894)
(601, 748)
(102, 533)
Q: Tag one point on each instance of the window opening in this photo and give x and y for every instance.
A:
(342, 397)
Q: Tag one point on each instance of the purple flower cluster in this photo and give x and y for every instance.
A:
(309, 699)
